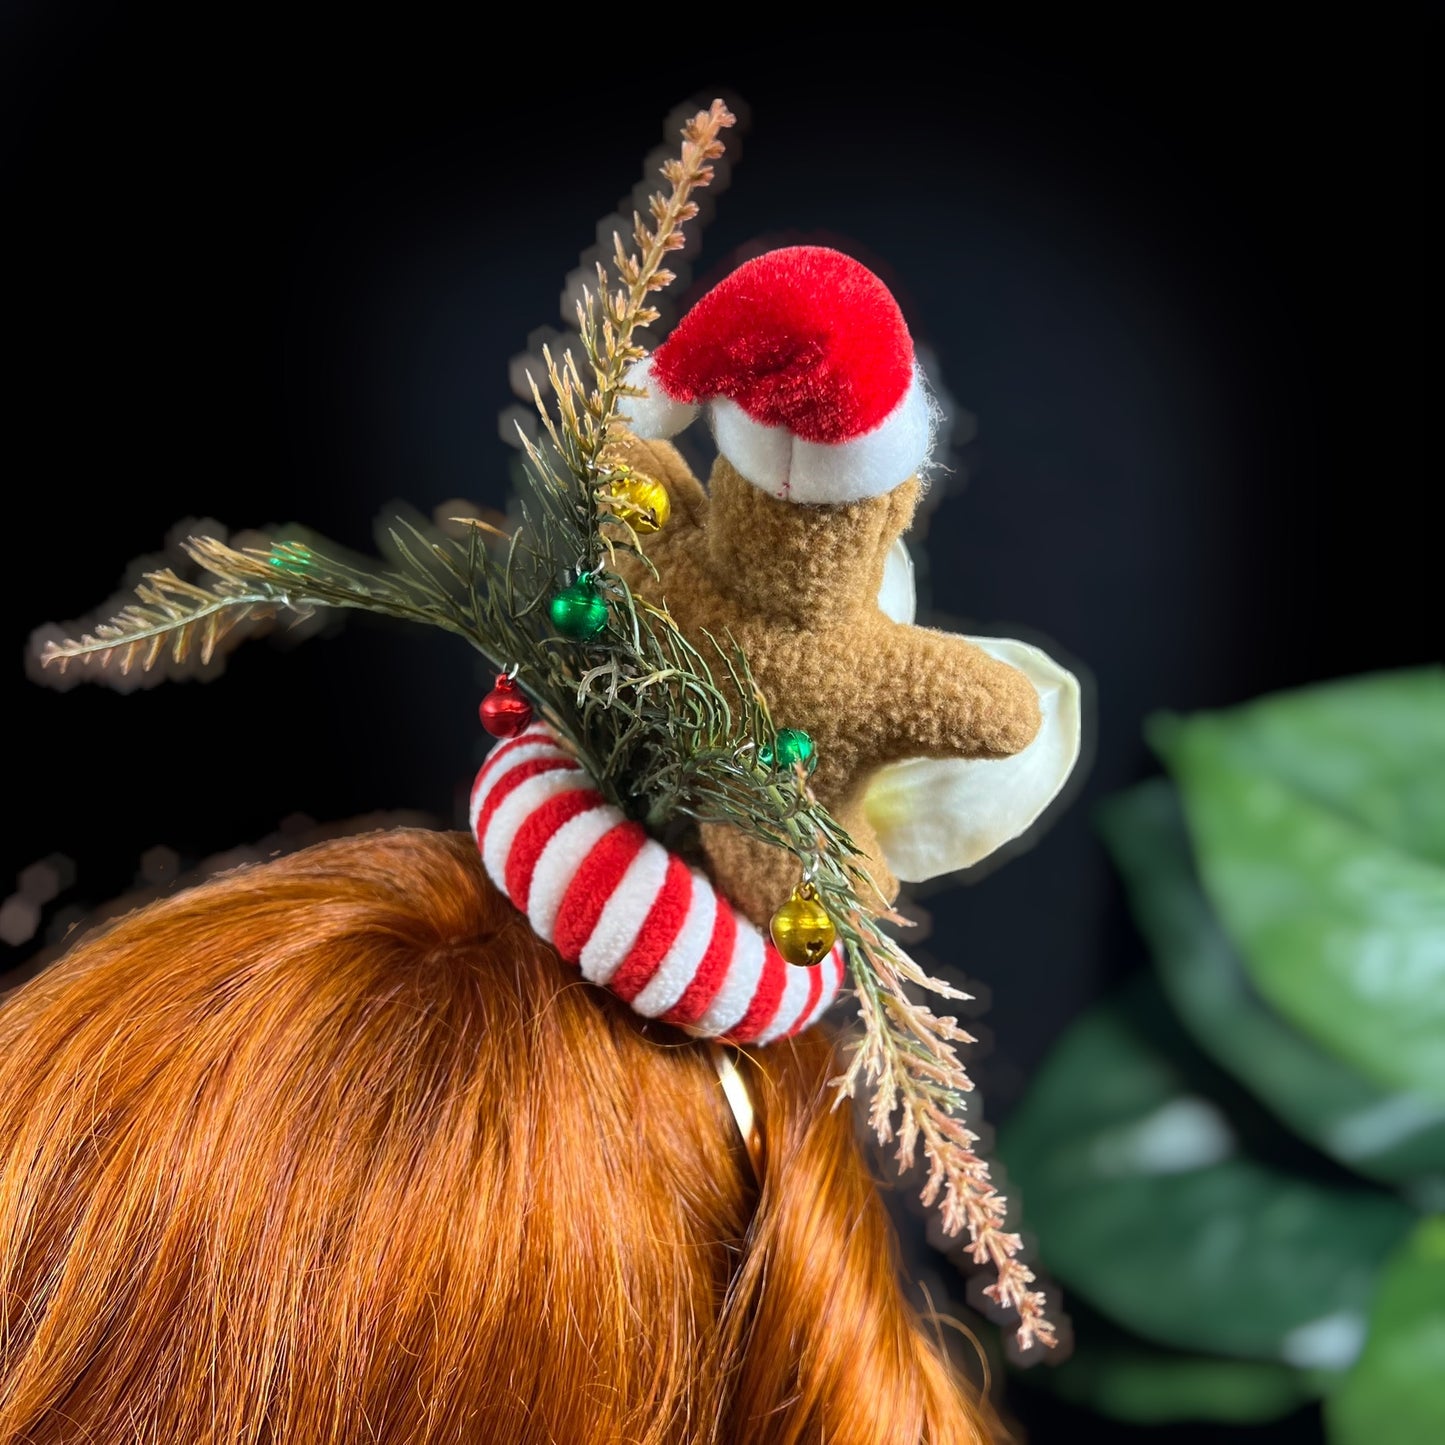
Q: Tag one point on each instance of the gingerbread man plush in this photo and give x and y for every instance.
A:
(805, 368)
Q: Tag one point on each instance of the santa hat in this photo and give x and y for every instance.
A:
(805, 366)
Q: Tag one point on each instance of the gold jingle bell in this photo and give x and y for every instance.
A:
(641, 502)
(801, 928)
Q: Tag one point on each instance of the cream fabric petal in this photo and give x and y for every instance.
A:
(898, 596)
(936, 815)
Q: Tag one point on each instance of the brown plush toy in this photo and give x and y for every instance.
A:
(805, 364)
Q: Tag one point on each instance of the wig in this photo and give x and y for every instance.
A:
(336, 1149)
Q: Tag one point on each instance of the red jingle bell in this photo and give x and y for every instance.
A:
(505, 712)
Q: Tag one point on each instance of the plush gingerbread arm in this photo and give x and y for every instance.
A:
(945, 697)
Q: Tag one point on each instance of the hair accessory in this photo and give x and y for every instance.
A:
(623, 618)
(740, 1101)
(628, 912)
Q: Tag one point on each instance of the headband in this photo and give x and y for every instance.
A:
(721, 738)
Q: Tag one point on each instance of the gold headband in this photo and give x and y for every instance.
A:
(740, 1101)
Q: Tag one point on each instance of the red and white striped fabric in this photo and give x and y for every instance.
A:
(633, 916)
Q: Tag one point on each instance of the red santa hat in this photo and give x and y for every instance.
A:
(805, 366)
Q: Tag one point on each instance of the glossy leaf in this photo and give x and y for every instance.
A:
(1371, 749)
(1340, 927)
(1389, 1135)
(1396, 1393)
(1135, 1187)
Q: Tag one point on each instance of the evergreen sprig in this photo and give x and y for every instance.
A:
(170, 617)
(672, 731)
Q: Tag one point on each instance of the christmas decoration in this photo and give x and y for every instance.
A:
(504, 711)
(795, 586)
(805, 364)
(763, 589)
(801, 928)
(290, 556)
(640, 501)
(579, 611)
(794, 747)
(631, 915)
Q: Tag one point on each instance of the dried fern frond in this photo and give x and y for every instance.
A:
(170, 616)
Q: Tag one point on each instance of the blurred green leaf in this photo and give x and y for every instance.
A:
(1371, 749)
(1396, 1393)
(1340, 927)
(1143, 1204)
(1393, 1136)
(1115, 1373)
(1156, 1387)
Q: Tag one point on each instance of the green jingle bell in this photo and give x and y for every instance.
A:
(579, 611)
(290, 556)
(794, 746)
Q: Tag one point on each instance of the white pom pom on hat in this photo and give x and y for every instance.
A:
(804, 363)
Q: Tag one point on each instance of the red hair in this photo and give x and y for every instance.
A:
(335, 1149)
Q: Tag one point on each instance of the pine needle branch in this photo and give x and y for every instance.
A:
(169, 616)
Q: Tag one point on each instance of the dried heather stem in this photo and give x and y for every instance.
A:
(608, 320)
(906, 1055)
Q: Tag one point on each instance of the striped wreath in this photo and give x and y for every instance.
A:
(630, 913)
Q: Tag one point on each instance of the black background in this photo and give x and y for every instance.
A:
(264, 271)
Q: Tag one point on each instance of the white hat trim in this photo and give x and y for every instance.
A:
(654, 415)
(776, 461)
